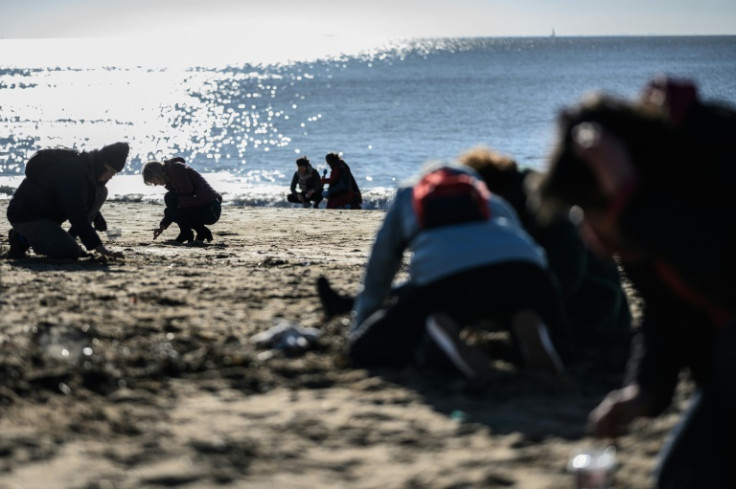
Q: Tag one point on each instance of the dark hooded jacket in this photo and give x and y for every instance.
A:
(64, 190)
(192, 188)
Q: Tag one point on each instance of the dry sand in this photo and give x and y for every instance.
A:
(140, 373)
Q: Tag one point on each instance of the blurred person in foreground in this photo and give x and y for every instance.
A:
(63, 185)
(655, 180)
(595, 302)
(470, 260)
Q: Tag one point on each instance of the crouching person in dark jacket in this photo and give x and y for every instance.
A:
(190, 201)
(309, 182)
(63, 185)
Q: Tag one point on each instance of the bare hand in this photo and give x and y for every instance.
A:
(104, 251)
(616, 412)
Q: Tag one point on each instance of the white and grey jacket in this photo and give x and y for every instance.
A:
(439, 252)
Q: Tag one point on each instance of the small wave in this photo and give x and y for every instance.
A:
(128, 188)
(372, 200)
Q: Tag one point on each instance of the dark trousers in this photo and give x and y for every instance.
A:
(389, 337)
(294, 198)
(47, 237)
(700, 450)
(189, 218)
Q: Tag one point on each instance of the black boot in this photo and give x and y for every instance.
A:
(185, 236)
(333, 303)
(203, 234)
(18, 245)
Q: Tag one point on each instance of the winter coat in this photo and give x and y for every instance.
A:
(64, 190)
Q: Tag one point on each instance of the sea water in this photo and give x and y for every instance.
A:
(243, 119)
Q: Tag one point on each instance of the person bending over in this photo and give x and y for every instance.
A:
(63, 185)
(190, 201)
(655, 180)
(470, 260)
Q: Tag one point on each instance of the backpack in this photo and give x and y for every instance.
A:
(447, 196)
(43, 159)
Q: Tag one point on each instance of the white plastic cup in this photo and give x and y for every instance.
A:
(593, 468)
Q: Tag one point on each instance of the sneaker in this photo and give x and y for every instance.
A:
(18, 245)
(535, 344)
(469, 360)
(333, 303)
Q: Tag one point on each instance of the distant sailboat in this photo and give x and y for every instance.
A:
(553, 35)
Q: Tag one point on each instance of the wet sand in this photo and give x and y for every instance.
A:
(141, 373)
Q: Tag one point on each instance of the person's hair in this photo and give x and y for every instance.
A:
(499, 172)
(151, 170)
(653, 145)
(333, 159)
(302, 161)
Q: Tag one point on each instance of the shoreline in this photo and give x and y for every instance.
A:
(234, 190)
(141, 373)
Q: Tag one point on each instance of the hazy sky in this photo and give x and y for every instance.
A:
(392, 18)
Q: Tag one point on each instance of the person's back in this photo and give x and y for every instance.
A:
(49, 193)
(63, 185)
(343, 191)
(478, 264)
(189, 184)
(440, 251)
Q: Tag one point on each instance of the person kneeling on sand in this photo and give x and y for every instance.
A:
(309, 182)
(471, 260)
(191, 202)
(595, 302)
(343, 191)
(61, 185)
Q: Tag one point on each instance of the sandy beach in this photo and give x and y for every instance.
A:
(141, 373)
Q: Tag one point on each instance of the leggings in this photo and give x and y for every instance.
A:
(188, 218)
(390, 336)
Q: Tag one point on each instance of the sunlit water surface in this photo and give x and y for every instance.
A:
(243, 112)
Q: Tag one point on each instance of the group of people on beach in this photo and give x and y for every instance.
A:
(648, 183)
(639, 187)
(307, 187)
(66, 185)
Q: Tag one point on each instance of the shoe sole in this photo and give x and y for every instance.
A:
(333, 303)
(536, 345)
(452, 346)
